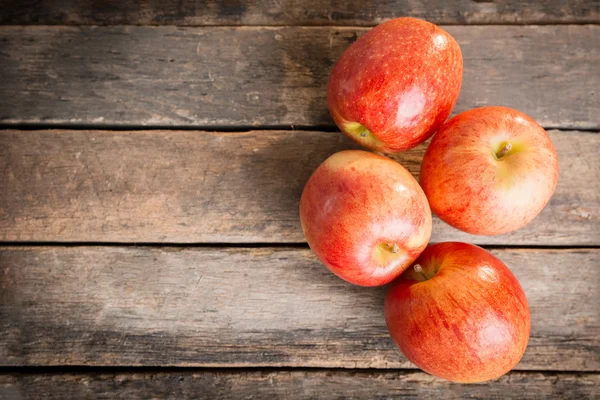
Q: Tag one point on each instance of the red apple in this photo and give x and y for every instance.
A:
(395, 86)
(459, 314)
(365, 217)
(489, 171)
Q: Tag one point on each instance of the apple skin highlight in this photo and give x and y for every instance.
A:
(365, 217)
(460, 314)
(395, 86)
(489, 171)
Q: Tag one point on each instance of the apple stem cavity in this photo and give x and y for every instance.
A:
(420, 270)
(503, 150)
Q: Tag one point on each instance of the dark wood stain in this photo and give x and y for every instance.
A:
(292, 385)
(293, 12)
(231, 9)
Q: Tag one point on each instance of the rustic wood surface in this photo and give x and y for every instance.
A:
(293, 12)
(223, 299)
(192, 187)
(225, 307)
(292, 385)
(270, 77)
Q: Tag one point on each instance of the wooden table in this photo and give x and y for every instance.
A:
(152, 155)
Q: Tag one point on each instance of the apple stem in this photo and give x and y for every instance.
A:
(393, 247)
(421, 271)
(505, 149)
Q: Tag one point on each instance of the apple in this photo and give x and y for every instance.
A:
(365, 217)
(459, 314)
(395, 86)
(489, 170)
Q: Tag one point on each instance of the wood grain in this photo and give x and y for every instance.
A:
(205, 187)
(269, 77)
(292, 385)
(291, 12)
(223, 307)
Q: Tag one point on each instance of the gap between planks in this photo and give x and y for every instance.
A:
(204, 129)
(84, 369)
(251, 245)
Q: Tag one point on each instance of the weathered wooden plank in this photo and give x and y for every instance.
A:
(128, 306)
(199, 77)
(292, 12)
(289, 385)
(191, 187)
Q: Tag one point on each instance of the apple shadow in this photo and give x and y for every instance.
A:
(279, 167)
(283, 161)
(351, 318)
